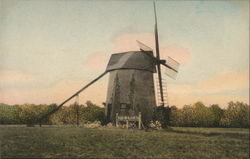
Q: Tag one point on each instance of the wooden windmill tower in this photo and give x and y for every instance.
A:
(131, 85)
(131, 82)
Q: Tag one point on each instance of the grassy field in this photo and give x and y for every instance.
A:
(46, 142)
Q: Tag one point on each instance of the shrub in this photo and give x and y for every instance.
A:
(109, 125)
(155, 125)
(162, 115)
(95, 124)
(93, 113)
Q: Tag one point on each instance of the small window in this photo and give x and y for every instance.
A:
(123, 106)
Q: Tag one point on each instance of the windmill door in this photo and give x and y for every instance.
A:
(109, 112)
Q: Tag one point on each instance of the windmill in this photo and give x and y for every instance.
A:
(131, 83)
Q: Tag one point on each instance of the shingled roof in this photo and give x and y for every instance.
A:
(131, 60)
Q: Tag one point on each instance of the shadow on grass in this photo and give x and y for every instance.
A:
(210, 134)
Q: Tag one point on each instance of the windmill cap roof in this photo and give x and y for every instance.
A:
(131, 60)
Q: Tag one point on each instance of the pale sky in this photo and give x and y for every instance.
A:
(49, 49)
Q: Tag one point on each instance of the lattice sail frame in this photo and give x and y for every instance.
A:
(175, 65)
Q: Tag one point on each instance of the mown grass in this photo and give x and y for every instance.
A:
(46, 142)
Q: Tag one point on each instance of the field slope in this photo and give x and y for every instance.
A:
(46, 142)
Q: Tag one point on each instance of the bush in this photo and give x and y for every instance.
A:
(155, 125)
(109, 125)
(93, 113)
(162, 115)
(95, 124)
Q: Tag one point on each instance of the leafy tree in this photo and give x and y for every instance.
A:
(9, 114)
(218, 114)
(202, 116)
(30, 113)
(93, 112)
(174, 116)
(187, 115)
(236, 115)
(68, 114)
(60, 117)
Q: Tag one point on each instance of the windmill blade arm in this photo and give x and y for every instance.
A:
(166, 65)
(156, 35)
(68, 99)
(173, 69)
(163, 62)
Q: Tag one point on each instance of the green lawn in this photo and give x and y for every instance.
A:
(23, 142)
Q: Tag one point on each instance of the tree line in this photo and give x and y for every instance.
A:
(31, 113)
(197, 115)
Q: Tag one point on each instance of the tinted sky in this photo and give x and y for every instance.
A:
(50, 48)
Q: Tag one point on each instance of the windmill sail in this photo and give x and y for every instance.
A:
(143, 47)
(170, 73)
(173, 64)
(173, 70)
